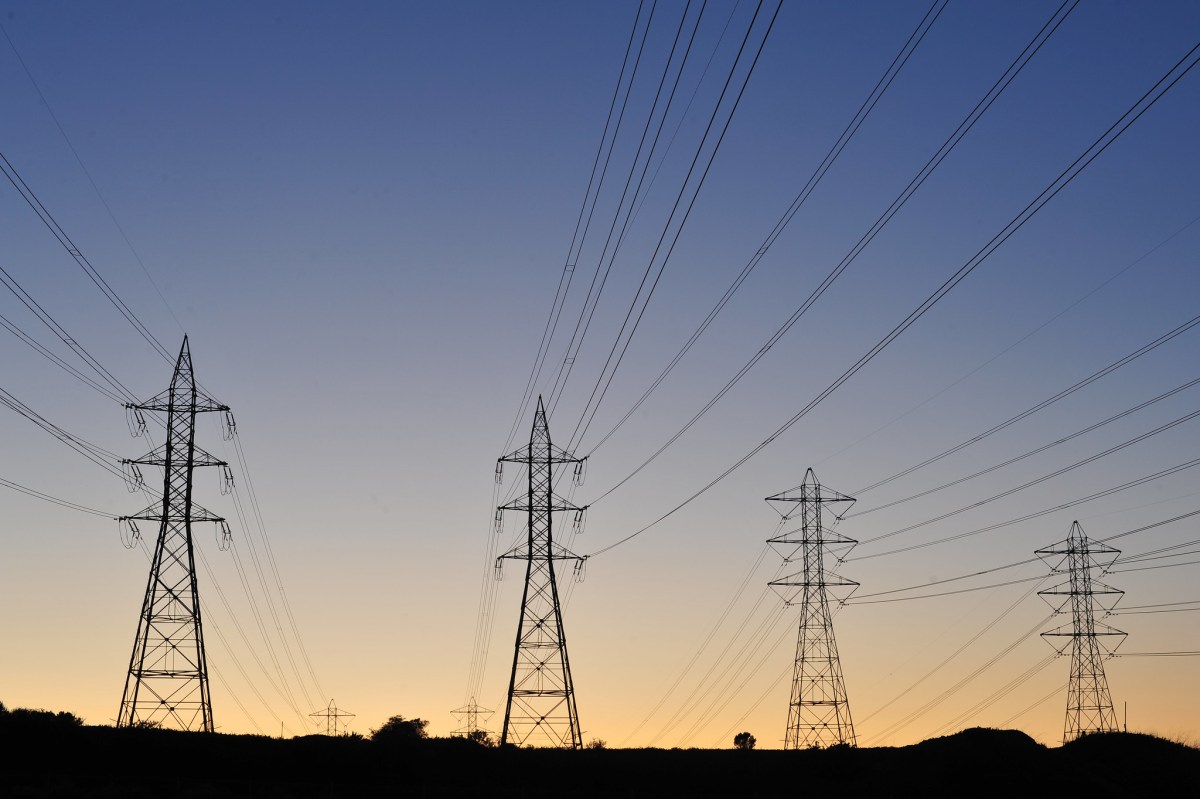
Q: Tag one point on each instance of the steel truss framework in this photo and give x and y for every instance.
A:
(540, 710)
(336, 720)
(819, 709)
(469, 715)
(1089, 703)
(167, 683)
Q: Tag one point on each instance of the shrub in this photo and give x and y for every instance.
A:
(398, 729)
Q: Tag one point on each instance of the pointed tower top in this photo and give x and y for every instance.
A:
(185, 351)
(183, 366)
(539, 417)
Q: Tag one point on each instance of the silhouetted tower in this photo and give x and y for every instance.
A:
(819, 711)
(333, 719)
(167, 684)
(541, 696)
(469, 715)
(1089, 704)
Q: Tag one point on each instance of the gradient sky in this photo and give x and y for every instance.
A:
(359, 213)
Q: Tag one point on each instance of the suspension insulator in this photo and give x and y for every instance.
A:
(580, 570)
(226, 480)
(499, 472)
(224, 536)
(228, 426)
(580, 472)
(499, 525)
(577, 523)
(133, 476)
(135, 420)
(130, 534)
(499, 569)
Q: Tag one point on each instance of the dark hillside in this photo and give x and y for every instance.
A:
(52, 755)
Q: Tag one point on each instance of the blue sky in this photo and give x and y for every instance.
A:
(359, 214)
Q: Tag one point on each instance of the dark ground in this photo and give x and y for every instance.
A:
(44, 755)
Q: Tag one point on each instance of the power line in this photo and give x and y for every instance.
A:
(59, 362)
(996, 695)
(944, 593)
(568, 357)
(1093, 151)
(569, 361)
(858, 598)
(1031, 452)
(564, 281)
(881, 86)
(745, 581)
(56, 500)
(962, 648)
(1066, 392)
(137, 257)
(962, 683)
(560, 385)
(98, 455)
(947, 147)
(1063, 506)
(1160, 566)
(1160, 605)
(1038, 480)
(1095, 289)
(56, 230)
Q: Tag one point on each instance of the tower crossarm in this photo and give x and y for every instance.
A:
(827, 579)
(163, 402)
(154, 513)
(555, 505)
(558, 552)
(555, 455)
(159, 457)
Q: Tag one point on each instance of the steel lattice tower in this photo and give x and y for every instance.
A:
(469, 715)
(541, 695)
(1089, 704)
(334, 724)
(819, 710)
(167, 684)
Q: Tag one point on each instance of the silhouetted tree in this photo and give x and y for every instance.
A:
(597, 743)
(481, 737)
(744, 740)
(398, 729)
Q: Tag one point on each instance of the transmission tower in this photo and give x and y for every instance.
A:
(333, 719)
(1089, 704)
(541, 696)
(819, 710)
(167, 684)
(469, 715)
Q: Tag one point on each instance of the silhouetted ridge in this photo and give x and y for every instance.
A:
(984, 738)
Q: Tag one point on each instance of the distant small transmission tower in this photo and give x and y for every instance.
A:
(469, 716)
(819, 710)
(1089, 704)
(333, 719)
(167, 684)
(541, 695)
